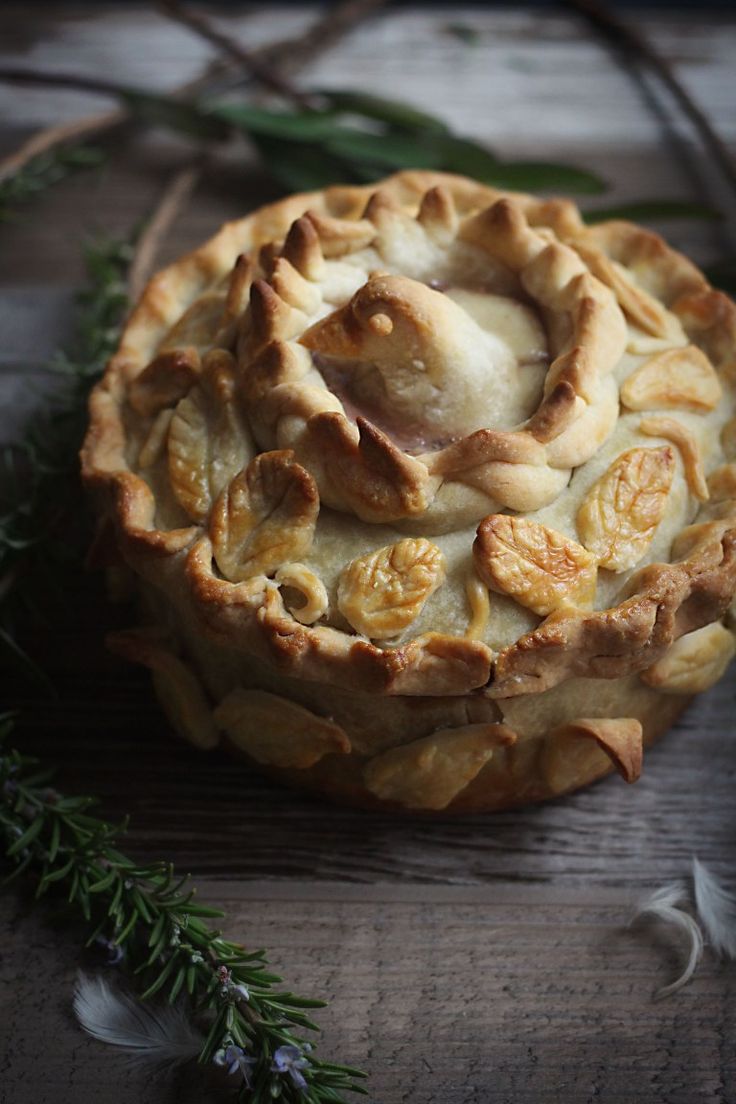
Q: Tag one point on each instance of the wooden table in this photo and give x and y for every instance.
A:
(482, 960)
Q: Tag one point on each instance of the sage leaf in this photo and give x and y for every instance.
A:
(297, 126)
(722, 274)
(394, 112)
(547, 176)
(465, 156)
(300, 167)
(393, 151)
(650, 210)
(187, 118)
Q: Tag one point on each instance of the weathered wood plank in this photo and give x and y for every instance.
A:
(445, 1001)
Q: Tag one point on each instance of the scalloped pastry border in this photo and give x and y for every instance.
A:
(673, 599)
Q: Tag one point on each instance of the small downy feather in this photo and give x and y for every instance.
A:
(154, 1035)
(666, 905)
(716, 911)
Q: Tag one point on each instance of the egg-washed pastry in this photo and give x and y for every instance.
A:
(428, 490)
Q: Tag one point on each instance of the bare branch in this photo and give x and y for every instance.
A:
(264, 72)
(171, 204)
(292, 54)
(97, 85)
(628, 39)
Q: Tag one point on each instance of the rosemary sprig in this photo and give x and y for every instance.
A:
(41, 172)
(148, 917)
(41, 512)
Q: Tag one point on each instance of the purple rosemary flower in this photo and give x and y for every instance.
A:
(241, 992)
(289, 1059)
(234, 1059)
(114, 952)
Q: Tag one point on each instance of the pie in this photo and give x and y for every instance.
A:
(428, 491)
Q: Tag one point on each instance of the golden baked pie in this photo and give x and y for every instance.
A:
(429, 491)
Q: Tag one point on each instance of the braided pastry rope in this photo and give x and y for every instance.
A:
(432, 359)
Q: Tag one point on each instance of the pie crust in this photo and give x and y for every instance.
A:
(429, 491)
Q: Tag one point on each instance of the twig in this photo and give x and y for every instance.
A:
(96, 85)
(264, 72)
(288, 53)
(171, 203)
(627, 38)
(61, 135)
(339, 19)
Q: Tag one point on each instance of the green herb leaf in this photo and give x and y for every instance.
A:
(26, 838)
(391, 151)
(300, 167)
(187, 118)
(651, 210)
(18, 658)
(463, 32)
(722, 275)
(43, 172)
(394, 112)
(465, 156)
(297, 126)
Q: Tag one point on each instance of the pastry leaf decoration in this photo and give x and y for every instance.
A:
(621, 512)
(676, 379)
(206, 439)
(383, 592)
(542, 569)
(265, 517)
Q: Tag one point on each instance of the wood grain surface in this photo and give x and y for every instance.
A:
(476, 961)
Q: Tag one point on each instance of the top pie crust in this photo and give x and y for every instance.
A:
(426, 437)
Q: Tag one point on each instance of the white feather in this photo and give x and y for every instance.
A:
(161, 1035)
(665, 905)
(716, 910)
